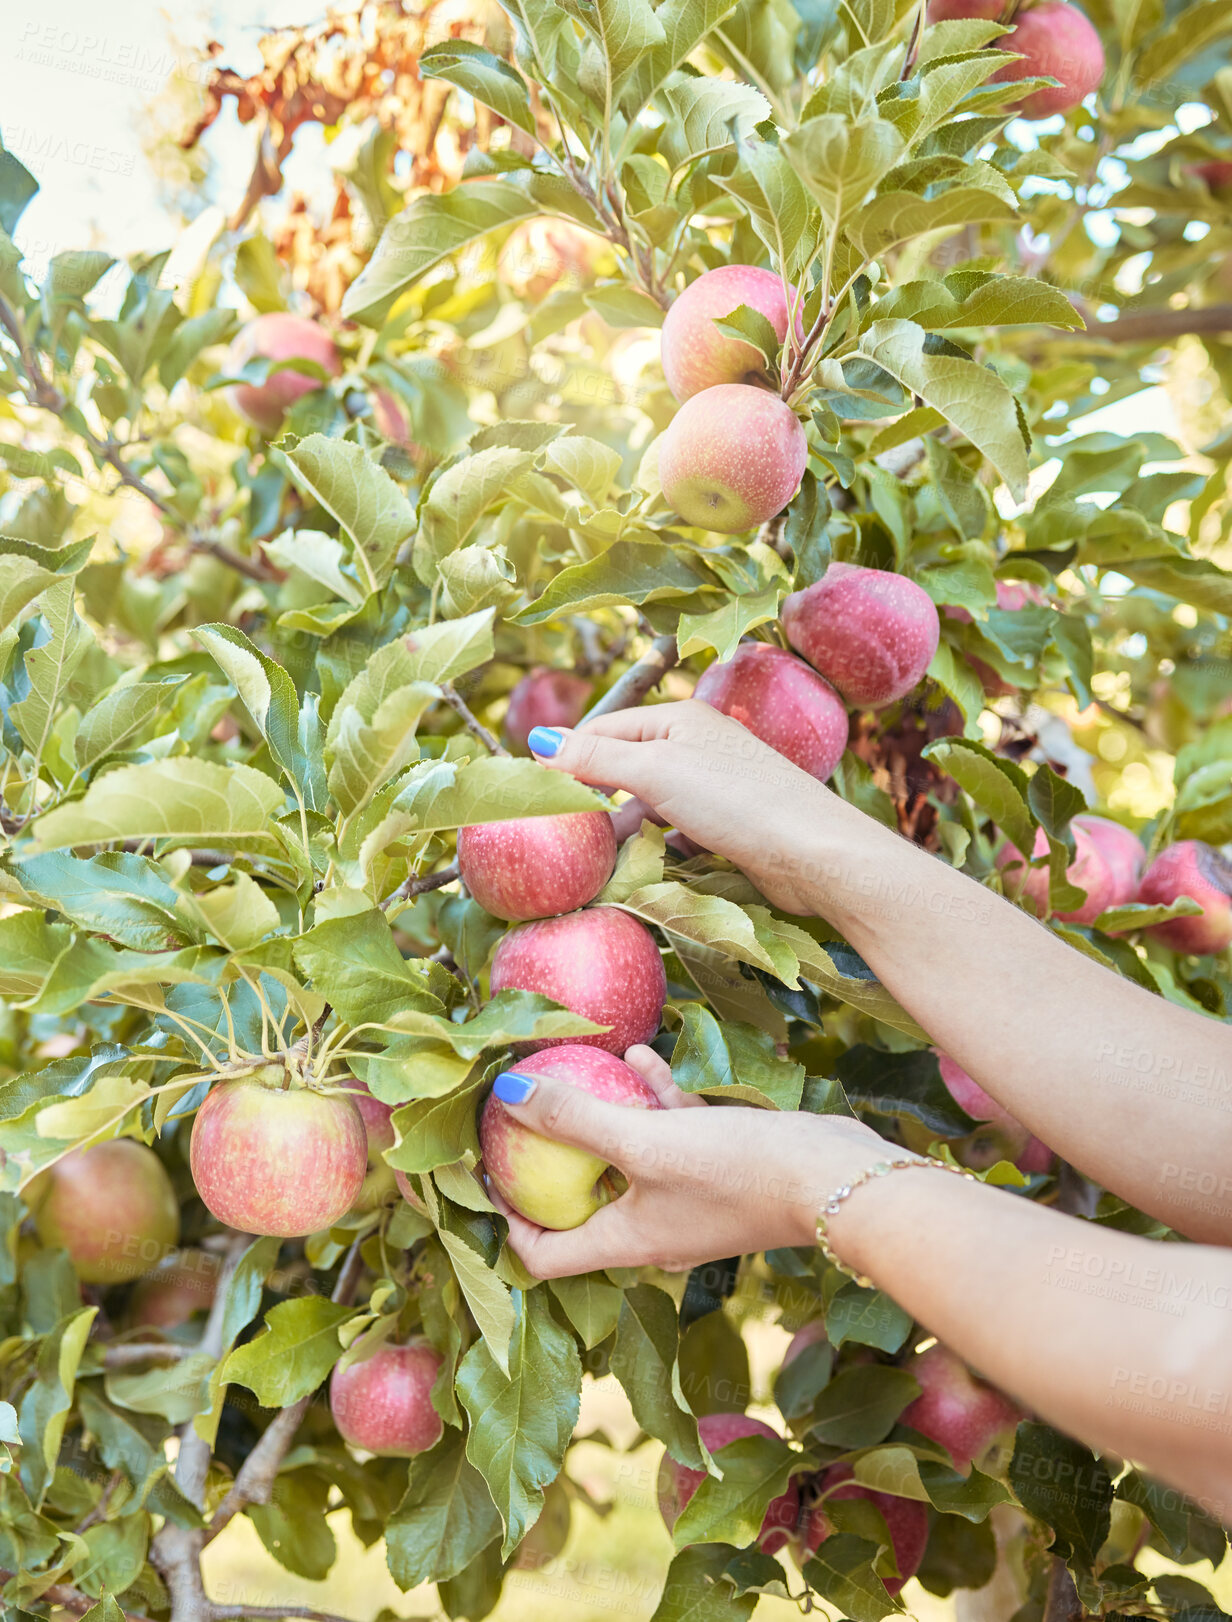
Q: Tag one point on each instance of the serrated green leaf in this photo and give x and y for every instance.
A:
(292, 1355)
(357, 492)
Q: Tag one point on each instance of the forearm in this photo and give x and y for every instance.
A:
(1134, 1090)
(1120, 1341)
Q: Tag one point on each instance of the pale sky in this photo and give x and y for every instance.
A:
(74, 78)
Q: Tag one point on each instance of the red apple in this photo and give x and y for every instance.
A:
(408, 1193)
(1197, 870)
(1010, 1140)
(870, 633)
(812, 1334)
(731, 457)
(555, 1184)
(678, 1483)
(696, 355)
(1054, 39)
(383, 1404)
(1217, 172)
(545, 698)
(537, 867)
(276, 337)
(906, 1522)
(181, 1285)
(781, 701)
(111, 1207)
(269, 1159)
(956, 1408)
(601, 963)
(1107, 861)
(391, 420)
(376, 1118)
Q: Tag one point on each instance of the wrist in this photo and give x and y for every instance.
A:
(848, 1219)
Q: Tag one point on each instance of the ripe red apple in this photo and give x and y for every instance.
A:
(391, 419)
(956, 1408)
(376, 1117)
(781, 701)
(181, 1284)
(111, 1207)
(906, 1522)
(269, 1159)
(408, 1193)
(1198, 870)
(1107, 861)
(383, 1404)
(545, 698)
(696, 355)
(537, 867)
(1010, 1140)
(678, 1483)
(277, 336)
(555, 1184)
(870, 633)
(1055, 40)
(601, 963)
(731, 457)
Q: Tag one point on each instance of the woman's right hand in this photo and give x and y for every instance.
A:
(706, 775)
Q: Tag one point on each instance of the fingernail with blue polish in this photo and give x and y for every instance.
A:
(512, 1088)
(545, 740)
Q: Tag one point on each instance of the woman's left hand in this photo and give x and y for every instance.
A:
(704, 1182)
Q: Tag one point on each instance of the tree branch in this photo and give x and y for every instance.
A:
(1157, 326)
(72, 1599)
(470, 721)
(125, 1354)
(221, 1611)
(637, 681)
(255, 1482)
(418, 886)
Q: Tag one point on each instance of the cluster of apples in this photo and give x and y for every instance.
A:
(955, 1409)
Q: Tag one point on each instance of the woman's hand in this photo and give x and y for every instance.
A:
(703, 1182)
(706, 775)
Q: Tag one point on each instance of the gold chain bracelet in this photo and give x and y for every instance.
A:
(883, 1168)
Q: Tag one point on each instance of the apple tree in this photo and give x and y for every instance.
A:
(300, 536)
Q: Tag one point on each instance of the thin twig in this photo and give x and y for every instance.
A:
(193, 1461)
(637, 681)
(99, 1512)
(255, 1482)
(470, 721)
(73, 1599)
(221, 1611)
(418, 886)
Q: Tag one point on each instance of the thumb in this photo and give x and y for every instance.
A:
(569, 1115)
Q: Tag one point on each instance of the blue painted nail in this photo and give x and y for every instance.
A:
(512, 1088)
(545, 740)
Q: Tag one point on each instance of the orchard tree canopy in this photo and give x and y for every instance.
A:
(304, 525)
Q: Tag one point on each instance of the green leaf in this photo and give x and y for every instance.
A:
(1134, 915)
(902, 1085)
(899, 216)
(778, 205)
(458, 499)
(696, 1592)
(998, 786)
(487, 78)
(586, 464)
(356, 491)
(859, 1405)
(444, 794)
(1063, 1484)
(30, 569)
(684, 23)
(643, 1359)
(1188, 33)
(733, 1060)
(756, 1470)
(293, 1354)
(50, 666)
(592, 1305)
(17, 187)
(723, 628)
(269, 697)
(45, 1406)
(445, 1520)
(628, 572)
(971, 397)
(622, 306)
(895, 1469)
(624, 30)
(356, 963)
(840, 160)
(126, 897)
(835, 968)
(705, 115)
(431, 229)
(842, 1572)
(174, 1394)
(521, 1422)
(180, 799)
(868, 1317)
(114, 722)
(436, 1131)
